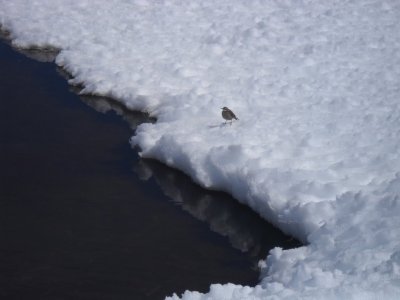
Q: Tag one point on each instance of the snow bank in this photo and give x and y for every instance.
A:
(316, 86)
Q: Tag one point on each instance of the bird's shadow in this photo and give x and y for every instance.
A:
(220, 125)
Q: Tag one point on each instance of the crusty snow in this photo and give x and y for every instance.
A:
(316, 86)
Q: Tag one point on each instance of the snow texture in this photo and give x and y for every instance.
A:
(316, 86)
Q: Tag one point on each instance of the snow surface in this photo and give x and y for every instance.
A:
(316, 86)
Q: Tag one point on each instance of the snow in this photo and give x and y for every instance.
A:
(316, 86)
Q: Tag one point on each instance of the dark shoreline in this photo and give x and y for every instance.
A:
(84, 217)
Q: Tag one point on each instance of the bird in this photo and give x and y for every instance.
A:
(228, 115)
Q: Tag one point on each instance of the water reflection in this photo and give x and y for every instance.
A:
(105, 105)
(246, 230)
(40, 54)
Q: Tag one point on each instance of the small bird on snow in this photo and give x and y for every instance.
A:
(228, 115)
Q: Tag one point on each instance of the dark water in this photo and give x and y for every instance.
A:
(83, 217)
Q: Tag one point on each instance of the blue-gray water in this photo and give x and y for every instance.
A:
(83, 217)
